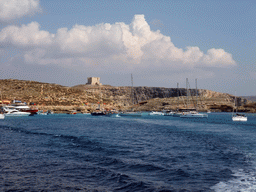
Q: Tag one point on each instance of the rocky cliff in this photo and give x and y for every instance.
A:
(88, 98)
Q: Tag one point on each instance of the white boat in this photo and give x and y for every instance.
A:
(41, 112)
(239, 117)
(112, 115)
(130, 114)
(156, 113)
(49, 112)
(2, 116)
(177, 114)
(236, 116)
(23, 107)
(193, 114)
(86, 113)
(14, 112)
(169, 113)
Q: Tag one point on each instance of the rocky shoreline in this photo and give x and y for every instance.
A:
(87, 98)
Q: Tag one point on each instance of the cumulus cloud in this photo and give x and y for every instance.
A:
(129, 45)
(13, 9)
(217, 57)
(25, 36)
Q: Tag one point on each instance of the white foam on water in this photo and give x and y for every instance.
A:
(243, 182)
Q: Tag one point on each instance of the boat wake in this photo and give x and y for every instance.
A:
(243, 181)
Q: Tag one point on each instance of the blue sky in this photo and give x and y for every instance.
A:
(160, 42)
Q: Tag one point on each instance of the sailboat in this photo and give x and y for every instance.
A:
(131, 113)
(237, 116)
(176, 113)
(193, 113)
(2, 116)
(99, 111)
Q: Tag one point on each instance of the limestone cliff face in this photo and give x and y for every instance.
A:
(87, 97)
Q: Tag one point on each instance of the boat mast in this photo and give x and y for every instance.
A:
(187, 90)
(132, 93)
(196, 93)
(178, 90)
(235, 102)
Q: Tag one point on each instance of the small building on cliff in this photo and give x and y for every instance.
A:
(93, 81)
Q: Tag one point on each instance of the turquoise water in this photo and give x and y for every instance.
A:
(149, 153)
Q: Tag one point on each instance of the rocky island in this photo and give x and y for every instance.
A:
(88, 97)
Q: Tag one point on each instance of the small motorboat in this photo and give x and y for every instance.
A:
(239, 117)
(98, 113)
(193, 114)
(156, 113)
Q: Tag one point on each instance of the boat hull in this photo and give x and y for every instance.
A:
(98, 114)
(130, 114)
(194, 115)
(238, 118)
(18, 114)
(156, 113)
(112, 115)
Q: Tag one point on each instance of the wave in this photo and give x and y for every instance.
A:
(242, 181)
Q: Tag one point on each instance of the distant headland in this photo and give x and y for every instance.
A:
(87, 97)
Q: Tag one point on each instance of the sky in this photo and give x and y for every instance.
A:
(161, 43)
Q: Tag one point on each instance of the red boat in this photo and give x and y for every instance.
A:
(23, 107)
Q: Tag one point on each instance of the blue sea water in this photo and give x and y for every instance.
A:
(148, 153)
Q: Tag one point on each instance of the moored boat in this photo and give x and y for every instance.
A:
(177, 114)
(72, 112)
(2, 116)
(239, 117)
(98, 113)
(131, 114)
(156, 113)
(112, 115)
(41, 112)
(14, 112)
(193, 114)
(22, 107)
(169, 113)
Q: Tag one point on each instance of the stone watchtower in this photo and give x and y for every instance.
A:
(93, 81)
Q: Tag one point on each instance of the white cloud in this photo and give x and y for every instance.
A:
(218, 57)
(13, 9)
(133, 45)
(25, 36)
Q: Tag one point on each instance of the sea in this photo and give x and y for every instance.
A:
(62, 152)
